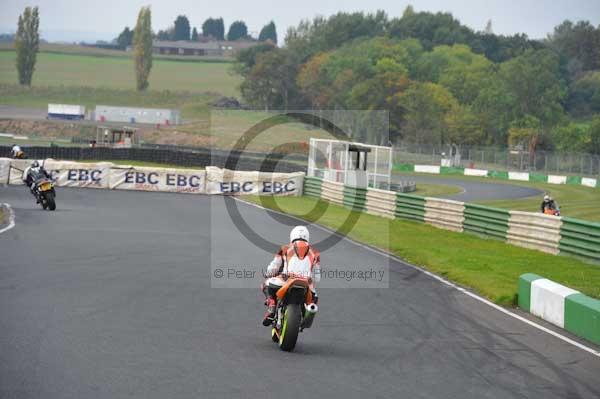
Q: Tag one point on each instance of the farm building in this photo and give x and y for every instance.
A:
(154, 116)
(207, 48)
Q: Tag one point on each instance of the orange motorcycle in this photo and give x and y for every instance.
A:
(551, 212)
(295, 312)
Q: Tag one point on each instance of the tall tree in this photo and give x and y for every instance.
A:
(182, 28)
(166, 34)
(271, 81)
(214, 27)
(237, 30)
(268, 32)
(320, 34)
(142, 47)
(27, 42)
(125, 38)
(427, 109)
(584, 95)
(577, 42)
(533, 80)
(194, 35)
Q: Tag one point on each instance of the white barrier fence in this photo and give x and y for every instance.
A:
(444, 214)
(535, 231)
(333, 191)
(381, 203)
(106, 175)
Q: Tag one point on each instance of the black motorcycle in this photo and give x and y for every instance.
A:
(43, 189)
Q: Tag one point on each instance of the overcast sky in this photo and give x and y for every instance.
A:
(71, 20)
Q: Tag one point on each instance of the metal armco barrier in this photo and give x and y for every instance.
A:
(199, 158)
(537, 231)
(580, 238)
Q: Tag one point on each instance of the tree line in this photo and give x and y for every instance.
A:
(441, 82)
(212, 28)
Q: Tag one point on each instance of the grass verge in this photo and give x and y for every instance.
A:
(192, 105)
(436, 190)
(487, 266)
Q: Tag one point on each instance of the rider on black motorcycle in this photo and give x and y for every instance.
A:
(298, 258)
(33, 173)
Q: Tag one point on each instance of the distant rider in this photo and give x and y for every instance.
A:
(298, 258)
(15, 151)
(549, 204)
(33, 173)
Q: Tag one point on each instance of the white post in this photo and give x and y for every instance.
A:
(390, 164)
(329, 153)
(311, 158)
(375, 174)
(346, 156)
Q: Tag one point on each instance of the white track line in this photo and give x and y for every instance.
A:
(444, 281)
(11, 218)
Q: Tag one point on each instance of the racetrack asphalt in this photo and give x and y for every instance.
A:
(110, 296)
(473, 190)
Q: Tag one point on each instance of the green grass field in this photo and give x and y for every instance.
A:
(59, 48)
(192, 105)
(490, 267)
(117, 72)
(436, 190)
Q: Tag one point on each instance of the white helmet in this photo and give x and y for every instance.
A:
(547, 198)
(299, 233)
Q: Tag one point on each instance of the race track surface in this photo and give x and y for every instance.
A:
(474, 190)
(109, 297)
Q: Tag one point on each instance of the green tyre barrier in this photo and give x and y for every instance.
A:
(355, 198)
(313, 186)
(410, 207)
(486, 221)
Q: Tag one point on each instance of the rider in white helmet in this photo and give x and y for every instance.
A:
(33, 173)
(298, 258)
(548, 203)
(15, 151)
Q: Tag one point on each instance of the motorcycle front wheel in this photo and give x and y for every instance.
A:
(291, 327)
(50, 201)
